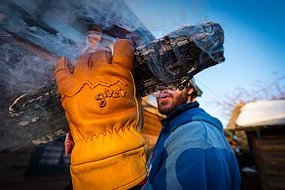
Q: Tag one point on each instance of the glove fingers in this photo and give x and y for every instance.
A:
(99, 58)
(62, 69)
(81, 65)
(124, 53)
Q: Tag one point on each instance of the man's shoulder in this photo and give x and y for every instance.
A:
(196, 128)
(192, 133)
(197, 134)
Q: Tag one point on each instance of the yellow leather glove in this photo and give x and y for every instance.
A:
(103, 114)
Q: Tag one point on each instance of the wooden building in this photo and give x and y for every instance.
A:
(262, 124)
(152, 125)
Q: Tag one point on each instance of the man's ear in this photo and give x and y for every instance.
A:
(190, 91)
(191, 95)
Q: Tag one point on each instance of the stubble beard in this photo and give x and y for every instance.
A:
(167, 106)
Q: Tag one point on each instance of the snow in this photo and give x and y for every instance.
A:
(260, 113)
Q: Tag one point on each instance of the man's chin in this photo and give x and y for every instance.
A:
(165, 110)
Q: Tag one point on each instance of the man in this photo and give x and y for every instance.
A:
(103, 112)
(191, 151)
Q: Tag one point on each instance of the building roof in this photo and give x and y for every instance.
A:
(260, 113)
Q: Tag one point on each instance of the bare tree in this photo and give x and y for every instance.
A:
(261, 90)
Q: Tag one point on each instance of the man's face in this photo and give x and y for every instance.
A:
(168, 100)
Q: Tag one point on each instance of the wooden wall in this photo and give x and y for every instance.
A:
(151, 126)
(150, 132)
(268, 147)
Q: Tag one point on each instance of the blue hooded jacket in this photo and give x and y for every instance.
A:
(192, 153)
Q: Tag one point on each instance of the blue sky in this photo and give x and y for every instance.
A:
(254, 40)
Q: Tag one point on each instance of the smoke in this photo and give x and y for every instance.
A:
(107, 13)
(59, 14)
(54, 28)
(22, 71)
(45, 24)
(31, 73)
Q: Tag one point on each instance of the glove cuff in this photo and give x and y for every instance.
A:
(112, 161)
(122, 171)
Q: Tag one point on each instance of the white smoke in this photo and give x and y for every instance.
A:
(23, 71)
(56, 27)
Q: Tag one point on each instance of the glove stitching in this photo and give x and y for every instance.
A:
(91, 85)
(91, 137)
